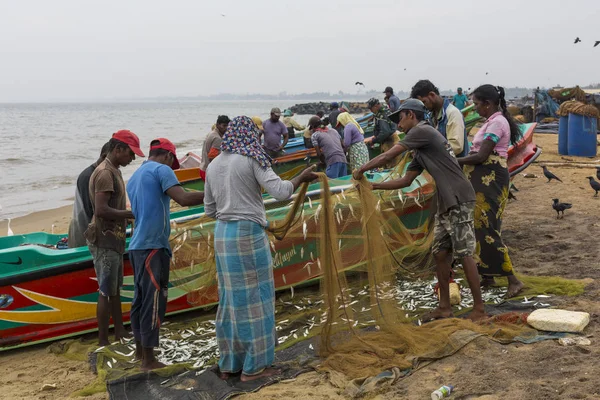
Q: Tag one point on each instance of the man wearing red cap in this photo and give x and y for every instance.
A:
(105, 235)
(150, 190)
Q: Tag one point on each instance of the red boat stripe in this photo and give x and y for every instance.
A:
(149, 270)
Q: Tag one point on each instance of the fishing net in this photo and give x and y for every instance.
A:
(579, 108)
(564, 94)
(347, 233)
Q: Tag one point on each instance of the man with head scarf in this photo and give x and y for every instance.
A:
(245, 322)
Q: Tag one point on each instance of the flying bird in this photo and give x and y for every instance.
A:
(597, 43)
(405, 68)
(560, 207)
(577, 40)
(598, 173)
(359, 83)
(222, 15)
(550, 175)
(487, 73)
(594, 184)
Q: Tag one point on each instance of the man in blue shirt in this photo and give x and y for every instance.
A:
(393, 100)
(150, 190)
(460, 101)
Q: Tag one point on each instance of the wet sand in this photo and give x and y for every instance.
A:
(539, 244)
(40, 221)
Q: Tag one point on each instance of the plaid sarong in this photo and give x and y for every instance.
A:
(245, 323)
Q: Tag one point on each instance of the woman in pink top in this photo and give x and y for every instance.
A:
(486, 168)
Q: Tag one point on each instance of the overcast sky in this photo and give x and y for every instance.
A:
(82, 50)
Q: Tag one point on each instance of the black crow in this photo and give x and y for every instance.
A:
(360, 83)
(560, 207)
(550, 175)
(594, 184)
(577, 40)
(597, 43)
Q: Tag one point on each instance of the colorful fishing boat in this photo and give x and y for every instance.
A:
(48, 294)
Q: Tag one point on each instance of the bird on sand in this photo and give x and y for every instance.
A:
(598, 173)
(596, 43)
(560, 207)
(577, 40)
(9, 231)
(550, 175)
(359, 83)
(594, 184)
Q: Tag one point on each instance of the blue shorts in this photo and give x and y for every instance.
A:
(336, 170)
(108, 265)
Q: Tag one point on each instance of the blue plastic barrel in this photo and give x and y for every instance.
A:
(563, 135)
(582, 136)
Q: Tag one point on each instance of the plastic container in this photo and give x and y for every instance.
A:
(582, 140)
(563, 135)
(454, 294)
(442, 392)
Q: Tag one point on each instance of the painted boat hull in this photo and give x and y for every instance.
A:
(54, 292)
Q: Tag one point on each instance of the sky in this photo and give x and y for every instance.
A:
(65, 50)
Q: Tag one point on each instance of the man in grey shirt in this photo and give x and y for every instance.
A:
(454, 231)
(329, 147)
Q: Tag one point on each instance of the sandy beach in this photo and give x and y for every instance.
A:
(540, 245)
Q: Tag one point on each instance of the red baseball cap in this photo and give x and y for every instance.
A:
(166, 144)
(130, 139)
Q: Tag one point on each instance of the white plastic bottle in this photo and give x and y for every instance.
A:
(442, 392)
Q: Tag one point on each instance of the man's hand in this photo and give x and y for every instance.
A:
(308, 175)
(358, 174)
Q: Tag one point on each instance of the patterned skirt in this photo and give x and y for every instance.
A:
(359, 155)
(491, 183)
(245, 323)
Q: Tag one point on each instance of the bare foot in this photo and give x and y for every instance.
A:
(154, 364)
(487, 281)
(224, 375)
(438, 313)
(122, 334)
(477, 314)
(265, 374)
(139, 351)
(514, 289)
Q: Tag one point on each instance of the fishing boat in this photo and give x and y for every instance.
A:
(297, 155)
(48, 294)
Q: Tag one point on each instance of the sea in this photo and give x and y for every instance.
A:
(44, 147)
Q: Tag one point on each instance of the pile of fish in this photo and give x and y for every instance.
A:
(299, 316)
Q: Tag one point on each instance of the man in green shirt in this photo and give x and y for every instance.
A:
(460, 100)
